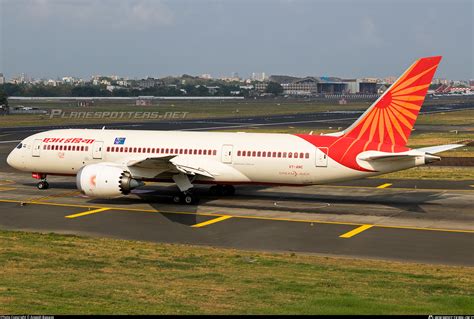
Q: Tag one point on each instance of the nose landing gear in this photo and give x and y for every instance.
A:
(43, 183)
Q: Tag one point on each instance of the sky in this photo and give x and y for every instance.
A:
(139, 38)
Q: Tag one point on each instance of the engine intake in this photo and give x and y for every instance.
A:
(105, 180)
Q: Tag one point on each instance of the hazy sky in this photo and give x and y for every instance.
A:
(136, 38)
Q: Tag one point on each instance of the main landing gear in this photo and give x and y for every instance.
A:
(222, 190)
(43, 183)
(187, 198)
(185, 187)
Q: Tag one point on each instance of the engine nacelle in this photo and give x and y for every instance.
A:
(105, 180)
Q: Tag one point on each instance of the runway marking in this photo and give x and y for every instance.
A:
(384, 185)
(48, 197)
(8, 142)
(6, 182)
(403, 188)
(95, 211)
(212, 221)
(238, 216)
(4, 189)
(356, 231)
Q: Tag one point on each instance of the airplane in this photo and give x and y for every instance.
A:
(111, 163)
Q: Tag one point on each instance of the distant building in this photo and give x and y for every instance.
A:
(458, 90)
(51, 82)
(205, 76)
(2, 79)
(149, 83)
(309, 85)
(471, 84)
(258, 76)
(261, 86)
(212, 89)
(367, 87)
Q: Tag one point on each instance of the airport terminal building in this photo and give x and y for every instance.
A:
(310, 86)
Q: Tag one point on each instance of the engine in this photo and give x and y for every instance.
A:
(105, 181)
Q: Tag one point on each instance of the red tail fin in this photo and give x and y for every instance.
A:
(391, 118)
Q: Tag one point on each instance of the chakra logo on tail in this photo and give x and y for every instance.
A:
(391, 118)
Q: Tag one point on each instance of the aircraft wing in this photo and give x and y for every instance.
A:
(178, 163)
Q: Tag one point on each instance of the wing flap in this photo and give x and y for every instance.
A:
(175, 163)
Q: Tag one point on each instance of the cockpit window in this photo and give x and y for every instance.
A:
(19, 146)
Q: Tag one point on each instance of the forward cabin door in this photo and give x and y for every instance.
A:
(36, 148)
(321, 157)
(97, 150)
(227, 154)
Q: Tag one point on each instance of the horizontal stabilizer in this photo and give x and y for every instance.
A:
(376, 156)
(439, 149)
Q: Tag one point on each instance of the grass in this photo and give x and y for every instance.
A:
(465, 117)
(198, 109)
(433, 172)
(60, 274)
(193, 109)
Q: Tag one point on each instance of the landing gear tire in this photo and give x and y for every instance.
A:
(42, 185)
(191, 199)
(177, 199)
(188, 199)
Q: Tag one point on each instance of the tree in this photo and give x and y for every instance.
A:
(3, 101)
(274, 88)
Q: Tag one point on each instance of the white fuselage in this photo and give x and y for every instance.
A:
(65, 152)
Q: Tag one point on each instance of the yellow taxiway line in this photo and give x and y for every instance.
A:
(384, 185)
(89, 212)
(235, 216)
(356, 231)
(4, 189)
(212, 221)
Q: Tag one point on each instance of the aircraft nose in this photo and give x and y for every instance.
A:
(11, 159)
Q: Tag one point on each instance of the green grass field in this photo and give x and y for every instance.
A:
(59, 274)
(213, 109)
(194, 110)
(433, 172)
